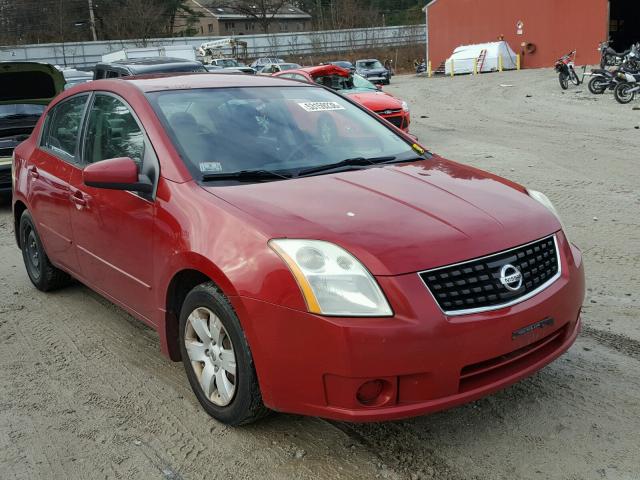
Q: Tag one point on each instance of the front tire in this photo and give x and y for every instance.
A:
(44, 276)
(217, 358)
(573, 76)
(622, 93)
(564, 80)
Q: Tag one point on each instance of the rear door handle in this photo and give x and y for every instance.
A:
(33, 171)
(78, 199)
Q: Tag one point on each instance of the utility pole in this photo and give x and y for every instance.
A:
(92, 21)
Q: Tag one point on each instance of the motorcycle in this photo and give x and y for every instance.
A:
(603, 79)
(609, 57)
(565, 67)
(421, 68)
(629, 85)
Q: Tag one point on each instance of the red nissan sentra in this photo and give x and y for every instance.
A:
(354, 276)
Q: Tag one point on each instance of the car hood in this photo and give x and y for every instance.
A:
(375, 101)
(398, 219)
(29, 82)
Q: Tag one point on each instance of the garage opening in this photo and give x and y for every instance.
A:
(624, 23)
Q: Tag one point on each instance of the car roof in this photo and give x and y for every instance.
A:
(186, 81)
(152, 61)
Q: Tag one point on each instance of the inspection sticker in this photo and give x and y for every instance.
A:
(210, 167)
(321, 106)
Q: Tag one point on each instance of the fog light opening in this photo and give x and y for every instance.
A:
(372, 392)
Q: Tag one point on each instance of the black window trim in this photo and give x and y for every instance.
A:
(81, 149)
(74, 159)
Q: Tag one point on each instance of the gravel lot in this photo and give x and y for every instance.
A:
(85, 393)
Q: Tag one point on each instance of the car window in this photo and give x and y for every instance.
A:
(112, 74)
(63, 127)
(112, 132)
(226, 130)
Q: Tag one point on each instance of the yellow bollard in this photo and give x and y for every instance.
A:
(518, 62)
(429, 72)
(499, 63)
(475, 66)
(452, 69)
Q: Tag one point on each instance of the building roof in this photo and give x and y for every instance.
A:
(222, 11)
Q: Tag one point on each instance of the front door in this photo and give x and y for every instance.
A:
(50, 169)
(113, 229)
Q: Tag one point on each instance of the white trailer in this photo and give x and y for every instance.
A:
(186, 52)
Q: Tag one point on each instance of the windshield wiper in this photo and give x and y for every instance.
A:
(245, 176)
(349, 162)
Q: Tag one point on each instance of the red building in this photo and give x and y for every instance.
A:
(540, 30)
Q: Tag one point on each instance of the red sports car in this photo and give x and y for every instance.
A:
(360, 279)
(358, 88)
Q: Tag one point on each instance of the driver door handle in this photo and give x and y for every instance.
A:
(79, 199)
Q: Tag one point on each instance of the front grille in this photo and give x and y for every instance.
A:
(478, 285)
(397, 121)
(5, 178)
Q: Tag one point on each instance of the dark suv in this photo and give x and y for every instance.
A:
(143, 66)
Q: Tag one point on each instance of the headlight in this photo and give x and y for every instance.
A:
(405, 106)
(332, 281)
(544, 200)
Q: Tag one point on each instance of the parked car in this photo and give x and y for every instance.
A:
(25, 90)
(144, 66)
(74, 77)
(374, 71)
(356, 277)
(358, 88)
(259, 63)
(272, 68)
(343, 64)
(233, 64)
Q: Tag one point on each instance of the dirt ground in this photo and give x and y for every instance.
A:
(85, 393)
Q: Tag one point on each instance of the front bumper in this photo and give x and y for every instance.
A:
(314, 365)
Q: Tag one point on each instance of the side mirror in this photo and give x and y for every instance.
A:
(116, 174)
(378, 87)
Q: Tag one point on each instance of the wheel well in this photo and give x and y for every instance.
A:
(18, 209)
(181, 284)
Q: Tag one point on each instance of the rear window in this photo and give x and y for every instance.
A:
(26, 86)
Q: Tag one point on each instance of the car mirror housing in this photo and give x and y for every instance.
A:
(116, 174)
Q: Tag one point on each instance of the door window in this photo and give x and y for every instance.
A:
(63, 127)
(113, 132)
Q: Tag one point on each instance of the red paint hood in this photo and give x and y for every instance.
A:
(398, 219)
(377, 101)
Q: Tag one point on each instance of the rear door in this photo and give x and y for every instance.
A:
(50, 170)
(113, 228)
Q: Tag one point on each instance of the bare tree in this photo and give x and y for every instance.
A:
(262, 11)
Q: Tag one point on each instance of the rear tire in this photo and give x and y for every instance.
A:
(598, 85)
(44, 276)
(622, 93)
(564, 80)
(217, 358)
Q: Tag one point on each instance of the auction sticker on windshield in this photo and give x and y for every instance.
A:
(321, 106)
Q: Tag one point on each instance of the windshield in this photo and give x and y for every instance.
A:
(228, 62)
(369, 64)
(337, 82)
(288, 66)
(283, 129)
(21, 110)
